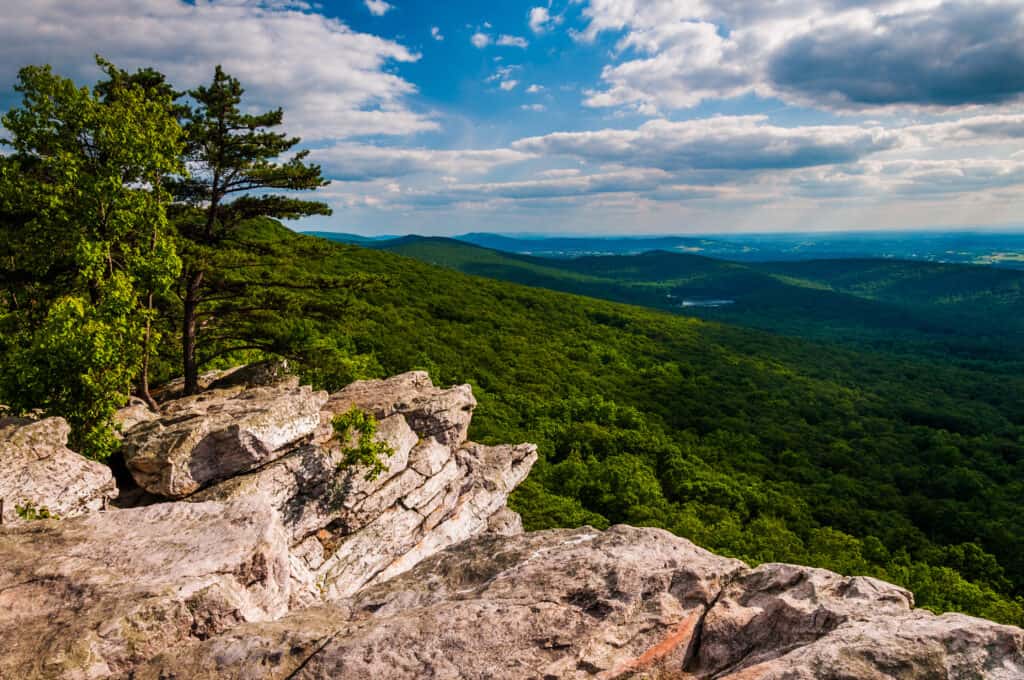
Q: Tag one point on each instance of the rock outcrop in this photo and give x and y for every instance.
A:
(264, 555)
(436, 489)
(443, 414)
(625, 603)
(217, 434)
(93, 597)
(38, 471)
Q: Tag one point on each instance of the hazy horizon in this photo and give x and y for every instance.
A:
(1014, 230)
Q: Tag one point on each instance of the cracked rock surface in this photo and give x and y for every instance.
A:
(217, 434)
(264, 556)
(437, 488)
(624, 603)
(37, 469)
(96, 595)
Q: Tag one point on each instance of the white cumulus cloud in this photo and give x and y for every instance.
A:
(513, 41)
(541, 20)
(350, 162)
(378, 8)
(332, 81)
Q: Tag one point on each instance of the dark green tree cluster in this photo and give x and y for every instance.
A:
(124, 210)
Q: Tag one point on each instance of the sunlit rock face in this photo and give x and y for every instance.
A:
(623, 603)
(257, 552)
(38, 472)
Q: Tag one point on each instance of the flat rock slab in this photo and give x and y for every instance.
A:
(94, 596)
(37, 469)
(554, 604)
(625, 603)
(218, 434)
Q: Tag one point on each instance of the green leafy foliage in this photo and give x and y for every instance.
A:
(357, 431)
(83, 215)
(31, 513)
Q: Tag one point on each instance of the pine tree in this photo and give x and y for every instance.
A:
(231, 157)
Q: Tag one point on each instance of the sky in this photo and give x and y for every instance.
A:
(442, 117)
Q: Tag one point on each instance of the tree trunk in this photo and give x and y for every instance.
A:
(147, 350)
(188, 332)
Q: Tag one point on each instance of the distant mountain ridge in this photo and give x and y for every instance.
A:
(951, 310)
(1005, 250)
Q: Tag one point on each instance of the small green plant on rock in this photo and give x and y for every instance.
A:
(360, 426)
(29, 512)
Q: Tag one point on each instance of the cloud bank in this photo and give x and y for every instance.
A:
(336, 80)
(835, 54)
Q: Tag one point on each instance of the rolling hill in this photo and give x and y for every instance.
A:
(970, 314)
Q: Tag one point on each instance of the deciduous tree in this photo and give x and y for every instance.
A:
(83, 213)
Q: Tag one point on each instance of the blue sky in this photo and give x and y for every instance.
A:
(601, 116)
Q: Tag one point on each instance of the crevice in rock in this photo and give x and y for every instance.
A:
(30, 582)
(692, 656)
(305, 662)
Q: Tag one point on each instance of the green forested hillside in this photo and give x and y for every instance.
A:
(752, 444)
(970, 314)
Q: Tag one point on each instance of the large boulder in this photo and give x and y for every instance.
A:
(780, 606)
(38, 470)
(94, 596)
(219, 433)
(782, 622)
(260, 374)
(556, 604)
(625, 603)
(916, 645)
(443, 414)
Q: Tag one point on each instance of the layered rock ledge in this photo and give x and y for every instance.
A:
(255, 552)
(38, 472)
